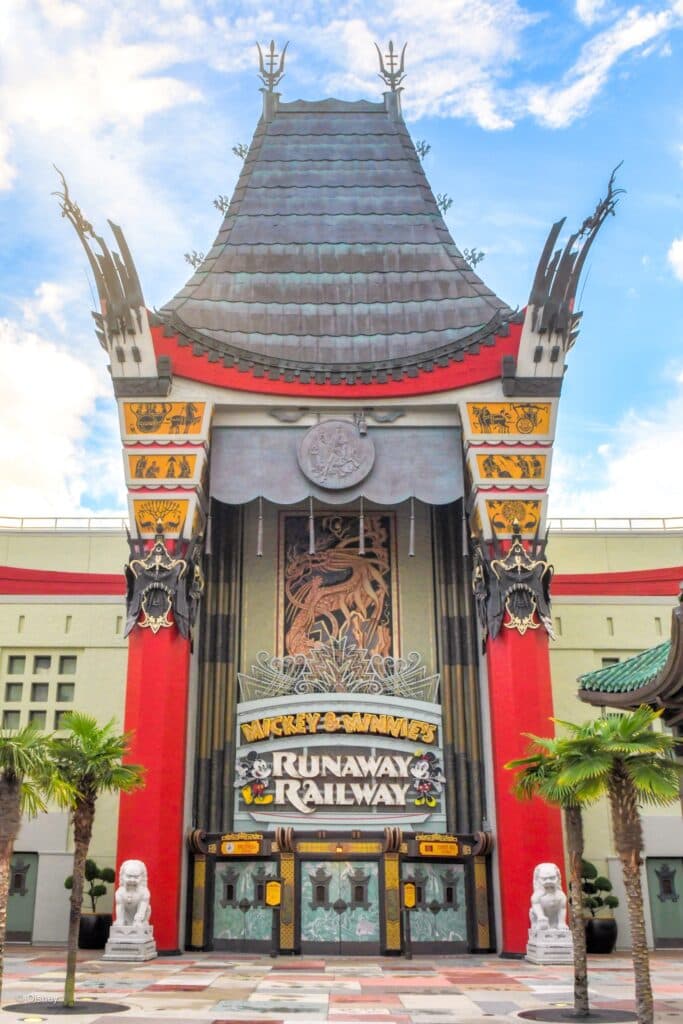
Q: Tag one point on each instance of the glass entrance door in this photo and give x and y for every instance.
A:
(22, 897)
(241, 920)
(340, 907)
(438, 922)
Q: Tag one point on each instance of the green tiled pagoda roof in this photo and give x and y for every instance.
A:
(630, 675)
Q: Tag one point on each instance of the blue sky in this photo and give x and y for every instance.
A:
(527, 107)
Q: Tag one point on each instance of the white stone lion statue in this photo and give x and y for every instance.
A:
(132, 896)
(548, 902)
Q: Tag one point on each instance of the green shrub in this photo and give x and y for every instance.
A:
(597, 890)
(94, 877)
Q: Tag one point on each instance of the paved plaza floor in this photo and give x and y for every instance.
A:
(229, 989)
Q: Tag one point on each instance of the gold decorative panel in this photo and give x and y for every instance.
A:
(337, 591)
(147, 465)
(392, 904)
(481, 903)
(287, 877)
(172, 513)
(496, 466)
(503, 514)
(164, 418)
(348, 847)
(198, 901)
(526, 418)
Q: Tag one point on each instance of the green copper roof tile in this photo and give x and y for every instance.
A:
(333, 249)
(629, 675)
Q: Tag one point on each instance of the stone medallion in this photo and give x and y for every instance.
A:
(334, 455)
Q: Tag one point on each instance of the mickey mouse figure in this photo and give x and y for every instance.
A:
(427, 779)
(253, 778)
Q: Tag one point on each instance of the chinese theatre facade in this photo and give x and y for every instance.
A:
(337, 443)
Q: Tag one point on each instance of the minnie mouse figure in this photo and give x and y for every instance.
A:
(427, 779)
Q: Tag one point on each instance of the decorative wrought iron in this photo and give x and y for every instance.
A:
(159, 584)
(390, 74)
(270, 75)
(554, 289)
(338, 666)
(666, 876)
(516, 585)
(118, 285)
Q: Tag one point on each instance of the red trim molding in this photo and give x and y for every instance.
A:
(42, 581)
(473, 369)
(640, 583)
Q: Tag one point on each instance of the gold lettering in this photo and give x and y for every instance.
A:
(330, 722)
(428, 732)
(397, 726)
(256, 730)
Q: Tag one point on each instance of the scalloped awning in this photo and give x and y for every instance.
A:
(410, 462)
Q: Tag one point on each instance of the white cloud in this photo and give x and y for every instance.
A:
(675, 257)
(590, 11)
(635, 474)
(48, 302)
(46, 395)
(558, 106)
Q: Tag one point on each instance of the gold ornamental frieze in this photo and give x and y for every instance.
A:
(503, 467)
(170, 421)
(504, 513)
(526, 419)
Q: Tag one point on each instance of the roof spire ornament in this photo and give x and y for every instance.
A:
(553, 293)
(388, 72)
(269, 74)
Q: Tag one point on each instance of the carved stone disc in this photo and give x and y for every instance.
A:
(334, 455)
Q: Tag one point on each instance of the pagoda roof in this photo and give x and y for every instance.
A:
(655, 676)
(333, 253)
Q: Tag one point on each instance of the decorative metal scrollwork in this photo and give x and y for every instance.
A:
(338, 666)
(160, 584)
(513, 589)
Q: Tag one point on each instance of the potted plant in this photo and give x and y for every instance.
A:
(601, 931)
(94, 926)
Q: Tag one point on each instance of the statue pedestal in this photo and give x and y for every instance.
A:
(131, 942)
(550, 946)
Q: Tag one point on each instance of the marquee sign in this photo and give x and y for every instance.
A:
(339, 760)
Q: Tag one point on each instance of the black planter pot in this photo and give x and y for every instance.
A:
(601, 934)
(93, 931)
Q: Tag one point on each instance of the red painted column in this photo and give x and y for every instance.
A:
(527, 832)
(151, 819)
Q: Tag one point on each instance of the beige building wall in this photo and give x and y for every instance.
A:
(90, 629)
(591, 630)
(63, 653)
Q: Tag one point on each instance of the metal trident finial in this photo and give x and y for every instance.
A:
(271, 75)
(388, 72)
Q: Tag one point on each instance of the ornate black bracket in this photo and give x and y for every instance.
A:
(512, 589)
(159, 584)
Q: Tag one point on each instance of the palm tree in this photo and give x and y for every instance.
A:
(541, 773)
(621, 755)
(27, 781)
(89, 757)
